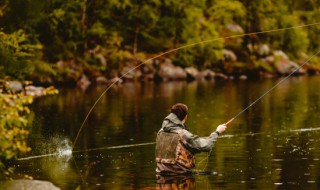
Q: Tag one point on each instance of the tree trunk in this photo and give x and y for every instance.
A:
(135, 42)
(84, 27)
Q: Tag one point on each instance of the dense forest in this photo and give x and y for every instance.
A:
(60, 41)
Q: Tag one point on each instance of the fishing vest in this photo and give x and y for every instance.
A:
(170, 150)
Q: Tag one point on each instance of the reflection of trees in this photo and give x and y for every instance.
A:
(269, 154)
(118, 169)
(133, 112)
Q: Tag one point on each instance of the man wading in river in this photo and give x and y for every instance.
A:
(176, 146)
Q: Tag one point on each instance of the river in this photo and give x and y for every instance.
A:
(273, 145)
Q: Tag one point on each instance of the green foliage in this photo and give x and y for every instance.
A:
(15, 53)
(128, 30)
(13, 123)
(19, 57)
(227, 11)
(294, 41)
(203, 55)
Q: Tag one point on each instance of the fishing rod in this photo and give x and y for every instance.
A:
(258, 99)
(173, 50)
(272, 88)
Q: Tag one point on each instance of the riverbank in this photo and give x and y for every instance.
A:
(266, 64)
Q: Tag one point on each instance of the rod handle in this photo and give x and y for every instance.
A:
(228, 122)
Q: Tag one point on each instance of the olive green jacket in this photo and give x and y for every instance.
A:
(176, 146)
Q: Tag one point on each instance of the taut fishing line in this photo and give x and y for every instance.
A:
(176, 49)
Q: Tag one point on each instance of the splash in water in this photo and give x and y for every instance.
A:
(64, 148)
(57, 146)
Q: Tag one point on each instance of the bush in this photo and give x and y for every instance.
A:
(13, 123)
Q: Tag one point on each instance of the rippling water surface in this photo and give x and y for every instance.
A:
(273, 145)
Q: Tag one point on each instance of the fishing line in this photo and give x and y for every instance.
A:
(89, 150)
(263, 95)
(173, 50)
(152, 143)
(272, 88)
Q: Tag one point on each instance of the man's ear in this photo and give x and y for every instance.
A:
(184, 119)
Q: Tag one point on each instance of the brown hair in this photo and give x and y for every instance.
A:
(180, 110)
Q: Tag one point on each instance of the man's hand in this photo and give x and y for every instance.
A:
(221, 128)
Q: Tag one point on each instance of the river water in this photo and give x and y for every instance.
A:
(272, 145)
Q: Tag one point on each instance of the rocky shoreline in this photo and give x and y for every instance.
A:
(26, 88)
(268, 64)
(265, 64)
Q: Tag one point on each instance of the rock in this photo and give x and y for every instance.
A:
(192, 73)
(167, 71)
(280, 55)
(296, 66)
(229, 55)
(230, 30)
(264, 50)
(207, 74)
(83, 82)
(235, 28)
(14, 86)
(61, 64)
(130, 73)
(284, 65)
(221, 75)
(243, 77)
(34, 91)
(101, 80)
(116, 80)
(269, 59)
(24, 184)
(102, 59)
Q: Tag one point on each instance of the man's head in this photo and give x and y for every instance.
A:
(180, 110)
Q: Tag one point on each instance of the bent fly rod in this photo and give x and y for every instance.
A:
(272, 88)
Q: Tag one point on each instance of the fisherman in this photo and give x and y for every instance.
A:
(176, 146)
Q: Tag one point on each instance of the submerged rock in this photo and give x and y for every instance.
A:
(24, 184)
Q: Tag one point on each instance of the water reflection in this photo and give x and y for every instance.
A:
(183, 182)
(273, 145)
